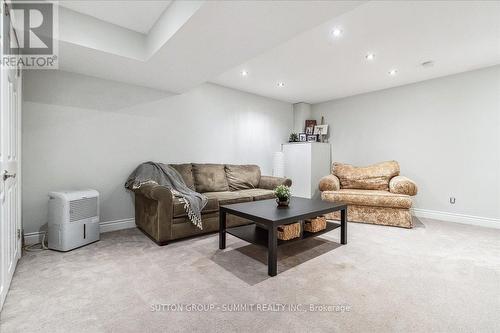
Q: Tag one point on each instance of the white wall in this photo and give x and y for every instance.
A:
(444, 133)
(83, 132)
(301, 113)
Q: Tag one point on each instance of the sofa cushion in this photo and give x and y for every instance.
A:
(372, 177)
(227, 197)
(179, 210)
(186, 172)
(368, 198)
(240, 177)
(258, 193)
(210, 178)
(270, 182)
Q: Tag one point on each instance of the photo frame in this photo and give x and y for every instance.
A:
(310, 123)
(302, 137)
(320, 129)
(310, 130)
(312, 138)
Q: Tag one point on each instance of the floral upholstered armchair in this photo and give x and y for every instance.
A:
(375, 194)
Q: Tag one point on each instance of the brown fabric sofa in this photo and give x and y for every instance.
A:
(374, 194)
(163, 218)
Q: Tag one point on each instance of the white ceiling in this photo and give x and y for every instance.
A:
(456, 35)
(213, 38)
(137, 15)
(191, 42)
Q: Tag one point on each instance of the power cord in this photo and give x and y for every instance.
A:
(32, 248)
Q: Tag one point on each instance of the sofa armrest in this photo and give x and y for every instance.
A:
(154, 212)
(154, 192)
(402, 185)
(329, 183)
(270, 183)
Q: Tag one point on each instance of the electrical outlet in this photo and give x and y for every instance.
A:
(452, 200)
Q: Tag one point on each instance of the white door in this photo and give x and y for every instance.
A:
(10, 192)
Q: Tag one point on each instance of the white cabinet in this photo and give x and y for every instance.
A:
(305, 164)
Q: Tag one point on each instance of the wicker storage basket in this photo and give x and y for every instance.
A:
(315, 225)
(289, 231)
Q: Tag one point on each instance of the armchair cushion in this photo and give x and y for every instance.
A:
(270, 183)
(241, 177)
(372, 177)
(403, 185)
(329, 183)
(373, 198)
(210, 178)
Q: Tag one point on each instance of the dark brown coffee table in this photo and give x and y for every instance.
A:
(268, 216)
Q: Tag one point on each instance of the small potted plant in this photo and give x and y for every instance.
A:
(293, 137)
(283, 195)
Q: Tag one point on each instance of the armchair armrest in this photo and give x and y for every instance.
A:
(402, 185)
(270, 183)
(329, 183)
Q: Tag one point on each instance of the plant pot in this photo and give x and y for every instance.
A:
(284, 203)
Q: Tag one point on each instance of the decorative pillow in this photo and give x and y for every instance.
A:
(210, 178)
(242, 177)
(186, 171)
(373, 177)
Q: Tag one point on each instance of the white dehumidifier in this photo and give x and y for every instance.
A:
(73, 219)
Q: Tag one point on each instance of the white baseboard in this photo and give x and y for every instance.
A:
(33, 237)
(106, 226)
(117, 225)
(457, 218)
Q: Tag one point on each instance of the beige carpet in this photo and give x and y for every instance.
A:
(437, 277)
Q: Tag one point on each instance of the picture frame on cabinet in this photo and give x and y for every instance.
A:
(312, 138)
(310, 123)
(320, 129)
(302, 137)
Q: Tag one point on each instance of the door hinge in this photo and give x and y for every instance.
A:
(18, 233)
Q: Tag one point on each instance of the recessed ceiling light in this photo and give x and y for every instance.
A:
(281, 84)
(337, 32)
(244, 73)
(393, 72)
(370, 56)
